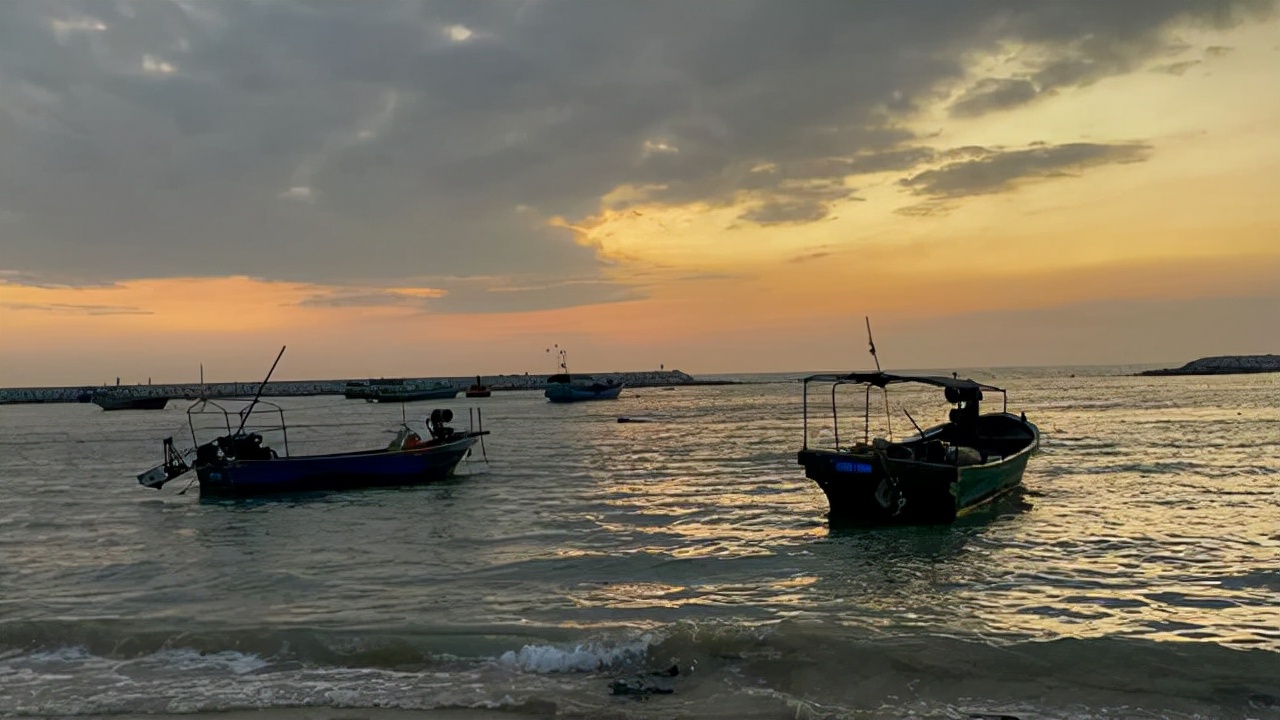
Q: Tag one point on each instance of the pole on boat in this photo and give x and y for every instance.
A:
(872, 342)
(244, 416)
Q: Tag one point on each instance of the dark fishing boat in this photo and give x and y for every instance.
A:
(479, 390)
(399, 390)
(127, 398)
(239, 462)
(934, 476)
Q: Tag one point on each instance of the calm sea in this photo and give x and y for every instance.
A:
(1137, 577)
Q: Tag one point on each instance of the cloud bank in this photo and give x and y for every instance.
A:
(370, 143)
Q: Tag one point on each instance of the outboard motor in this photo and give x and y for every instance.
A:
(436, 424)
(968, 401)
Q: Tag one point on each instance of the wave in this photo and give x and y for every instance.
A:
(806, 667)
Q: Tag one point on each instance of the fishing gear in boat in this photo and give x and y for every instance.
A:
(175, 464)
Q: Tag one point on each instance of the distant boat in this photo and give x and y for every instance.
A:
(399, 390)
(564, 388)
(932, 477)
(127, 398)
(479, 390)
(240, 463)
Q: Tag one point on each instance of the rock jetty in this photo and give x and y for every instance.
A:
(1224, 365)
(288, 388)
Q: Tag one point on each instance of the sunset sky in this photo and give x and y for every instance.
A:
(449, 188)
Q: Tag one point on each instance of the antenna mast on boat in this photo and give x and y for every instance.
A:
(872, 343)
(244, 416)
(562, 356)
(888, 416)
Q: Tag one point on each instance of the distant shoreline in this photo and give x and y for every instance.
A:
(302, 388)
(1222, 365)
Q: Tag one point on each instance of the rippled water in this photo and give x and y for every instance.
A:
(1138, 575)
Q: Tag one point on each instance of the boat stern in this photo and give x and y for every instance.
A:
(868, 488)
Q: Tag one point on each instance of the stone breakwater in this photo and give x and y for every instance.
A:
(286, 388)
(1224, 365)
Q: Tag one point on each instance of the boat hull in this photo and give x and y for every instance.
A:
(413, 395)
(345, 471)
(130, 403)
(874, 489)
(570, 393)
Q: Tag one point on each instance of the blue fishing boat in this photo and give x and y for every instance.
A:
(563, 387)
(238, 461)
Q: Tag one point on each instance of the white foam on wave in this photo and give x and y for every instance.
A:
(186, 660)
(583, 657)
(59, 656)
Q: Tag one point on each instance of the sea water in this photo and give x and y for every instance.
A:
(1138, 575)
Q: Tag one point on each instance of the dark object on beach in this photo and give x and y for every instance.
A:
(642, 686)
(932, 477)
(479, 390)
(984, 716)
(635, 420)
(240, 463)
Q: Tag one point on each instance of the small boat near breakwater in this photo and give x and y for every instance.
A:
(127, 398)
(566, 388)
(400, 390)
(478, 390)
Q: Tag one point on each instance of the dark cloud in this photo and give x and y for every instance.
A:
(790, 203)
(990, 171)
(1177, 68)
(368, 142)
(991, 94)
(1085, 42)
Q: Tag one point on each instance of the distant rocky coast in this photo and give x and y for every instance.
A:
(326, 387)
(1224, 365)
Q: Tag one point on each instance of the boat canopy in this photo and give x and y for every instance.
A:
(883, 379)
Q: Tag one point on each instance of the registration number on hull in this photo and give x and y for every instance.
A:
(857, 468)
